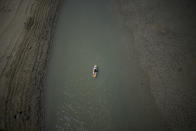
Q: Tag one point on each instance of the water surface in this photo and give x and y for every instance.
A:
(119, 99)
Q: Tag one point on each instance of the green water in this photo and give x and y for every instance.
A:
(119, 99)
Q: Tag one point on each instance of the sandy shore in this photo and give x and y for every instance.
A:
(26, 30)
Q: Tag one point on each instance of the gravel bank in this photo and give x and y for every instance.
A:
(26, 30)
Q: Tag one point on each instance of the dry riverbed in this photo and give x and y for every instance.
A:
(26, 30)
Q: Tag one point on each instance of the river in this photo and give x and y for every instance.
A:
(119, 99)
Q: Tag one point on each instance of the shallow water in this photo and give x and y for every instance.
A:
(119, 98)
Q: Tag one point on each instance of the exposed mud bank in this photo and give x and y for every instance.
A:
(26, 30)
(165, 36)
